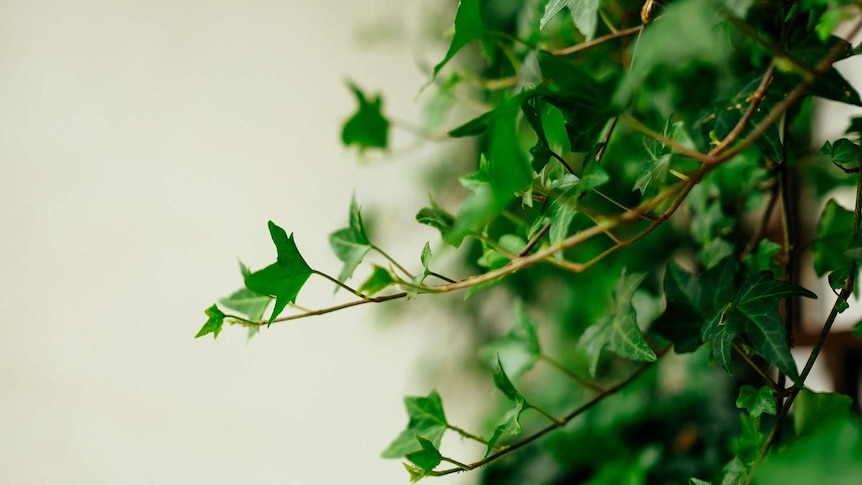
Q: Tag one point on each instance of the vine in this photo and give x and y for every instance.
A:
(656, 130)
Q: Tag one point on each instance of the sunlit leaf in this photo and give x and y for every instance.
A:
(518, 349)
(215, 320)
(379, 280)
(756, 401)
(427, 458)
(284, 278)
(584, 13)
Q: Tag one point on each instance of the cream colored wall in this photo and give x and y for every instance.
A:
(143, 146)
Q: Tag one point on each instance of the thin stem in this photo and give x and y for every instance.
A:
(598, 40)
(461, 466)
(571, 375)
(441, 277)
(467, 434)
(756, 368)
(558, 424)
(335, 308)
(535, 240)
(681, 149)
(754, 103)
(545, 414)
(340, 284)
(392, 260)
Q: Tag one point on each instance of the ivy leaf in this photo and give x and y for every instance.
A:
(426, 459)
(753, 314)
(284, 278)
(367, 128)
(690, 299)
(437, 218)
(756, 401)
(510, 423)
(247, 302)
(584, 14)
(427, 419)
(468, 27)
(834, 233)
(380, 279)
(764, 258)
(351, 243)
(812, 409)
(215, 320)
(518, 349)
(618, 331)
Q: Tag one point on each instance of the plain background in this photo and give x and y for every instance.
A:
(144, 145)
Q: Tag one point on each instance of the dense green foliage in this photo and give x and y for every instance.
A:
(637, 189)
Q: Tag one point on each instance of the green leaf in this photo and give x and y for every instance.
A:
(618, 331)
(427, 458)
(468, 27)
(697, 481)
(812, 410)
(247, 302)
(427, 419)
(509, 425)
(506, 173)
(351, 243)
(367, 128)
(380, 279)
(519, 349)
(831, 453)
(436, 217)
(215, 320)
(425, 258)
(846, 154)
(764, 258)
(756, 401)
(834, 233)
(284, 278)
(584, 13)
(753, 314)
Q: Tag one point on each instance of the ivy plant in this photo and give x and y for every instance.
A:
(634, 190)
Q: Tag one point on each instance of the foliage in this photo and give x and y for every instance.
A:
(630, 193)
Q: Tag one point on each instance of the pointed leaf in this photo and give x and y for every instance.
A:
(756, 401)
(427, 419)
(367, 128)
(380, 279)
(501, 380)
(215, 320)
(519, 349)
(247, 302)
(351, 243)
(618, 332)
(584, 14)
(436, 217)
(468, 27)
(284, 278)
(834, 234)
(427, 458)
(510, 425)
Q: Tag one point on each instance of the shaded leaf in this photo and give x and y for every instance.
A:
(367, 128)
(584, 14)
(764, 258)
(427, 419)
(215, 320)
(436, 217)
(518, 349)
(756, 401)
(426, 459)
(510, 425)
(834, 233)
(812, 409)
(618, 332)
(379, 280)
(247, 302)
(351, 243)
(753, 314)
(284, 278)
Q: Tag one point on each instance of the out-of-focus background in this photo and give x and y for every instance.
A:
(143, 146)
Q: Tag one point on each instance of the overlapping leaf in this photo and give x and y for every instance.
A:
(351, 243)
(510, 424)
(468, 27)
(284, 278)
(618, 332)
(427, 420)
(584, 13)
(518, 349)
